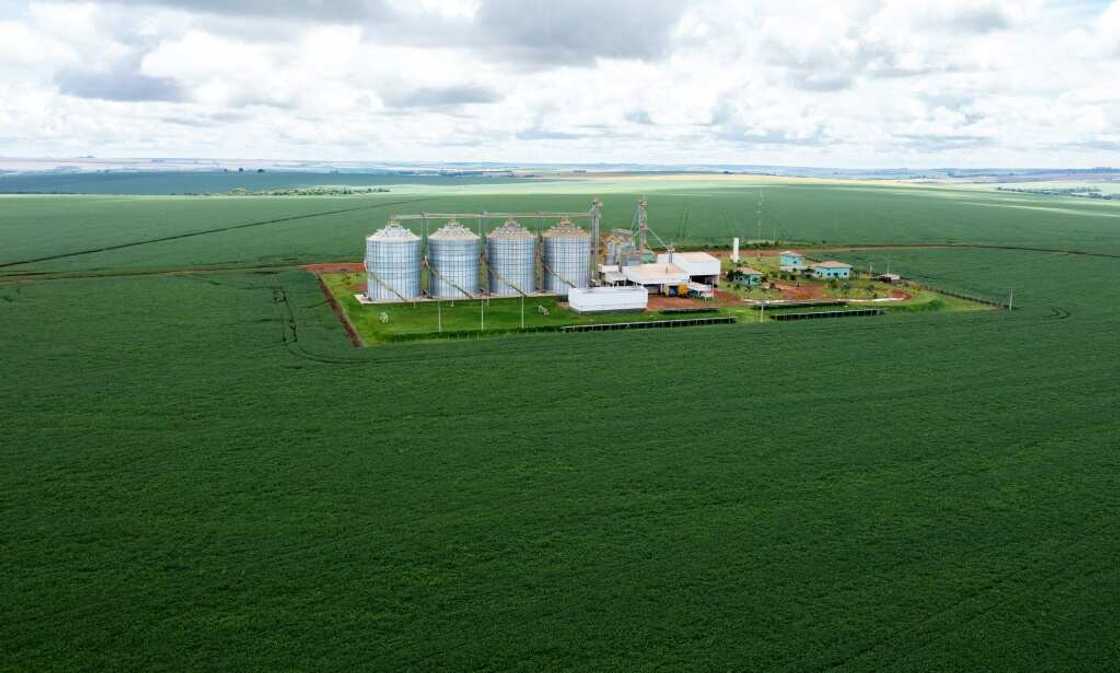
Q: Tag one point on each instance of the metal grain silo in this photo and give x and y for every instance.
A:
(453, 254)
(621, 249)
(392, 264)
(567, 258)
(511, 252)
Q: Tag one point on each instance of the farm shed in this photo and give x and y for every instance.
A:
(601, 299)
(700, 266)
(657, 277)
(889, 277)
(832, 269)
(791, 262)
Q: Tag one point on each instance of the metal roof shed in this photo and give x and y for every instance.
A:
(655, 274)
(695, 264)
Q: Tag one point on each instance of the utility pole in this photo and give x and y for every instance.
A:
(439, 316)
(1010, 297)
(482, 320)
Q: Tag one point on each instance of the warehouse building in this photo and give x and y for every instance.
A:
(831, 269)
(700, 266)
(660, 278)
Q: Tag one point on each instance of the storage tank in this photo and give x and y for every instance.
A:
(567, 257)
(511, 253)
(453, 253)
(392, 264)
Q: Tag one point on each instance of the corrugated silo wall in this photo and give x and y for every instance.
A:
(512, 263)
(568, 258)
(455, 261)
(394, 263)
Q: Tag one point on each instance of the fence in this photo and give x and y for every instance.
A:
(958, 295)
(816, 315)
(648, 324)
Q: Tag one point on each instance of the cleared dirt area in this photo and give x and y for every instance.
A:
(336, 267)
(801, 291)
(659, 303)
(745, 252)
(339, 267)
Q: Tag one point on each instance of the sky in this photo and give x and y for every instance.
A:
(842, 83)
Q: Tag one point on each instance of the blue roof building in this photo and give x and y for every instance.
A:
(832, 269)
(790, 261)
(749, 277)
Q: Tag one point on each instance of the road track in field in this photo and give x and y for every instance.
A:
(205, 232)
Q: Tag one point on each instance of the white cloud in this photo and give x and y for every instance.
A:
(859, 82)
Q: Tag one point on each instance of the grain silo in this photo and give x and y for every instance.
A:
(392, 264)
(567, 258)
(621, 248)
(511, 253)
(453, 253)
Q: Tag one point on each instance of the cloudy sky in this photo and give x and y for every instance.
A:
(843, 83)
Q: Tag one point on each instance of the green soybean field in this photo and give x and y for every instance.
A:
(202, 473)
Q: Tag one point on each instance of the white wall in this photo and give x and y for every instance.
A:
(591, 299)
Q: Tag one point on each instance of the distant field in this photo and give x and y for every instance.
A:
(201, 473)
(158, 183)
(69, 231)
(1106, 187)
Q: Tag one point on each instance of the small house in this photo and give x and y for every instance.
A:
(831, 269)
(791, 262)
(748, 277)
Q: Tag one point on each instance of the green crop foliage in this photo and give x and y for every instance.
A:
(201, 473)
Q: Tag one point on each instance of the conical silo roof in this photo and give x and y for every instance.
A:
(510, 230)
(453, 231)
(394, 231)
(565, 229)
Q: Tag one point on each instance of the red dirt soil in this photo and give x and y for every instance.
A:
(746, 252)
(724, 298)
(659, 302)
(339, 267)
(336, 267)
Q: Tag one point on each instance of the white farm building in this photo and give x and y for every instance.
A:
(700, 266)
(602, 299)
